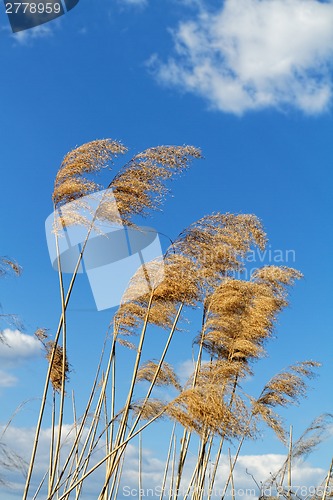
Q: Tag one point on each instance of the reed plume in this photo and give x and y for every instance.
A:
(241, 314)
(71, 182)
(313, 435)
(205, 408)
(140, 186)
(174, 281)
(218, 243)
(283, 389)
(8, 266)
(166, 375)
(147, 410)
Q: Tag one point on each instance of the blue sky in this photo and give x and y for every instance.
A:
(249, 83)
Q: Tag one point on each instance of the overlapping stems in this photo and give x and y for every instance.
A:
(198, 271)
(135, 193)
(241, 318)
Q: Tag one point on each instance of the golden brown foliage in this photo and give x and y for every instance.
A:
(70, 182)
(149, 409)
(172, 282)
(218, 242)
(286, 387)
(140, 185)
(166, 375)
(277, 277)
(283, 389)
(57, 365)
(126, 343)
(224, 373)
(205, 408)
(241, 314)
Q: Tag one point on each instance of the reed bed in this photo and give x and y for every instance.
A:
(237, 319)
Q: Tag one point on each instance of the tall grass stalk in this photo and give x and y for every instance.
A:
(327, 482)
(167, 461)
(238, 319)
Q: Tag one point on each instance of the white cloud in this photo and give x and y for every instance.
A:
(133, 2)
(16, 346)
(7, 380)
(255, 54)
(186, 368)
(26, 36)
(19, 440)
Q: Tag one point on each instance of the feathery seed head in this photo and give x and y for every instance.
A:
(140, 185)
(202, 409)
(166, 375)
(217, 244)
(70, 182)
(288, 386)
(149, 409)
(8, 266)
(174, 281)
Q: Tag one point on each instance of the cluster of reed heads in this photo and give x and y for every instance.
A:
(236, 319)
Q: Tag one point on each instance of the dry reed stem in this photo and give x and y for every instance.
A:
(174, 282)
(146, 410)
(83, 421)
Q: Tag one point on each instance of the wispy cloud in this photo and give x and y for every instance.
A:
(133, 2)
(27, 36)
(255, 54)
(6, 379)
(16, 345)
(16, 348)
(19, 440)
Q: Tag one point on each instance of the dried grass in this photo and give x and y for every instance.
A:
(148, 409)
(70, 182)
(288, 386)
(166, 375)
(57, 365)
(283, 389)
(217, 244)
(140, 186)
(241, 314)
(174, 281)
(204, 409)
(9, 266)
